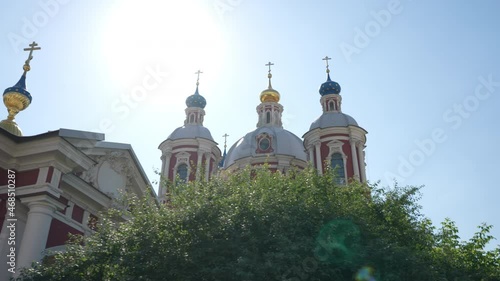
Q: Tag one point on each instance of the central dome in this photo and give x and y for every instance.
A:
(277, 141)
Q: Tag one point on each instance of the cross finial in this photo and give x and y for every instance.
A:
(269, 65)
(269, 75)
(327, 59)
(33, 47)
(198, 78)
(225, 140)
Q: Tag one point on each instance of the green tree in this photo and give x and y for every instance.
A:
(258, 225)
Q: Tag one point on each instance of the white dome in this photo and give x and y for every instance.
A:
(283, 143)
(190, 131)
(333, 119)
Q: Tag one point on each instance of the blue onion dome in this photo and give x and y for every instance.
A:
(329, 87)
(19, 88)
(196, 100)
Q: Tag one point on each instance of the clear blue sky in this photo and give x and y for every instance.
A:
(422, 77)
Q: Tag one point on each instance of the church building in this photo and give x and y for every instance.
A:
(334, 140)
(56, 183)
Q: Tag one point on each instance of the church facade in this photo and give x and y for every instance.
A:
(335, 139)
(56, 183)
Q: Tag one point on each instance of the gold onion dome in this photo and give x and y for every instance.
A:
(17, 98)
(269, 94)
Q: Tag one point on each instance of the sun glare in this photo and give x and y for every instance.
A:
(178, 37)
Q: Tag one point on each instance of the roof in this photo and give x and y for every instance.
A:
(283, 143)
(190, 131)
(333, 119)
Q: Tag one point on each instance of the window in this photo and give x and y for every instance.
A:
(264, 144)
(338, 165)
(182, 172)
(330, 105)
(191, 118)
(268, 117)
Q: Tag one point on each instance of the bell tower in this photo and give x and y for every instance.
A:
(189, 152)
(335, 139)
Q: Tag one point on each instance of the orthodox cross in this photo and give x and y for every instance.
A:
(225, 140)
(327, 59)
(33, 47)
(269, 65)
(198, 78)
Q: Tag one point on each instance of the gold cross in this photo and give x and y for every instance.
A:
(327, 59)
(198, 79)
(225, 140)
(33, 47)
(269, 64)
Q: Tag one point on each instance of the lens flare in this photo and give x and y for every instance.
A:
(365, 274)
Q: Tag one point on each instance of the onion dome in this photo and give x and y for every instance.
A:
(17, 98)
(196, 100)
(329, 87)
(269, 94)
(20, 88)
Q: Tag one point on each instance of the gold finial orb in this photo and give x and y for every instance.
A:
(11, 127)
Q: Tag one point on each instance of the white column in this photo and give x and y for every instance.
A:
(355, 163)
(69, 209)
(198, 164)
(362, 160)
(164, 173)
(319, 164)
(207, 165)
(311, 154)
(36, 230)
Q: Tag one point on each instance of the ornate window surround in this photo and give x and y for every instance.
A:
(260, 138)
(182, 158)
(335, 146)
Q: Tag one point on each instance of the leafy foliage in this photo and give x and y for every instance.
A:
(259, 225)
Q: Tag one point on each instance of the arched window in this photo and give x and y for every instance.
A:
(191, 118)
(338, 165)
(268, 117)
(331, 106)
(182, 172)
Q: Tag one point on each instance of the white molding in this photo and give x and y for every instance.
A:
(335, 146)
